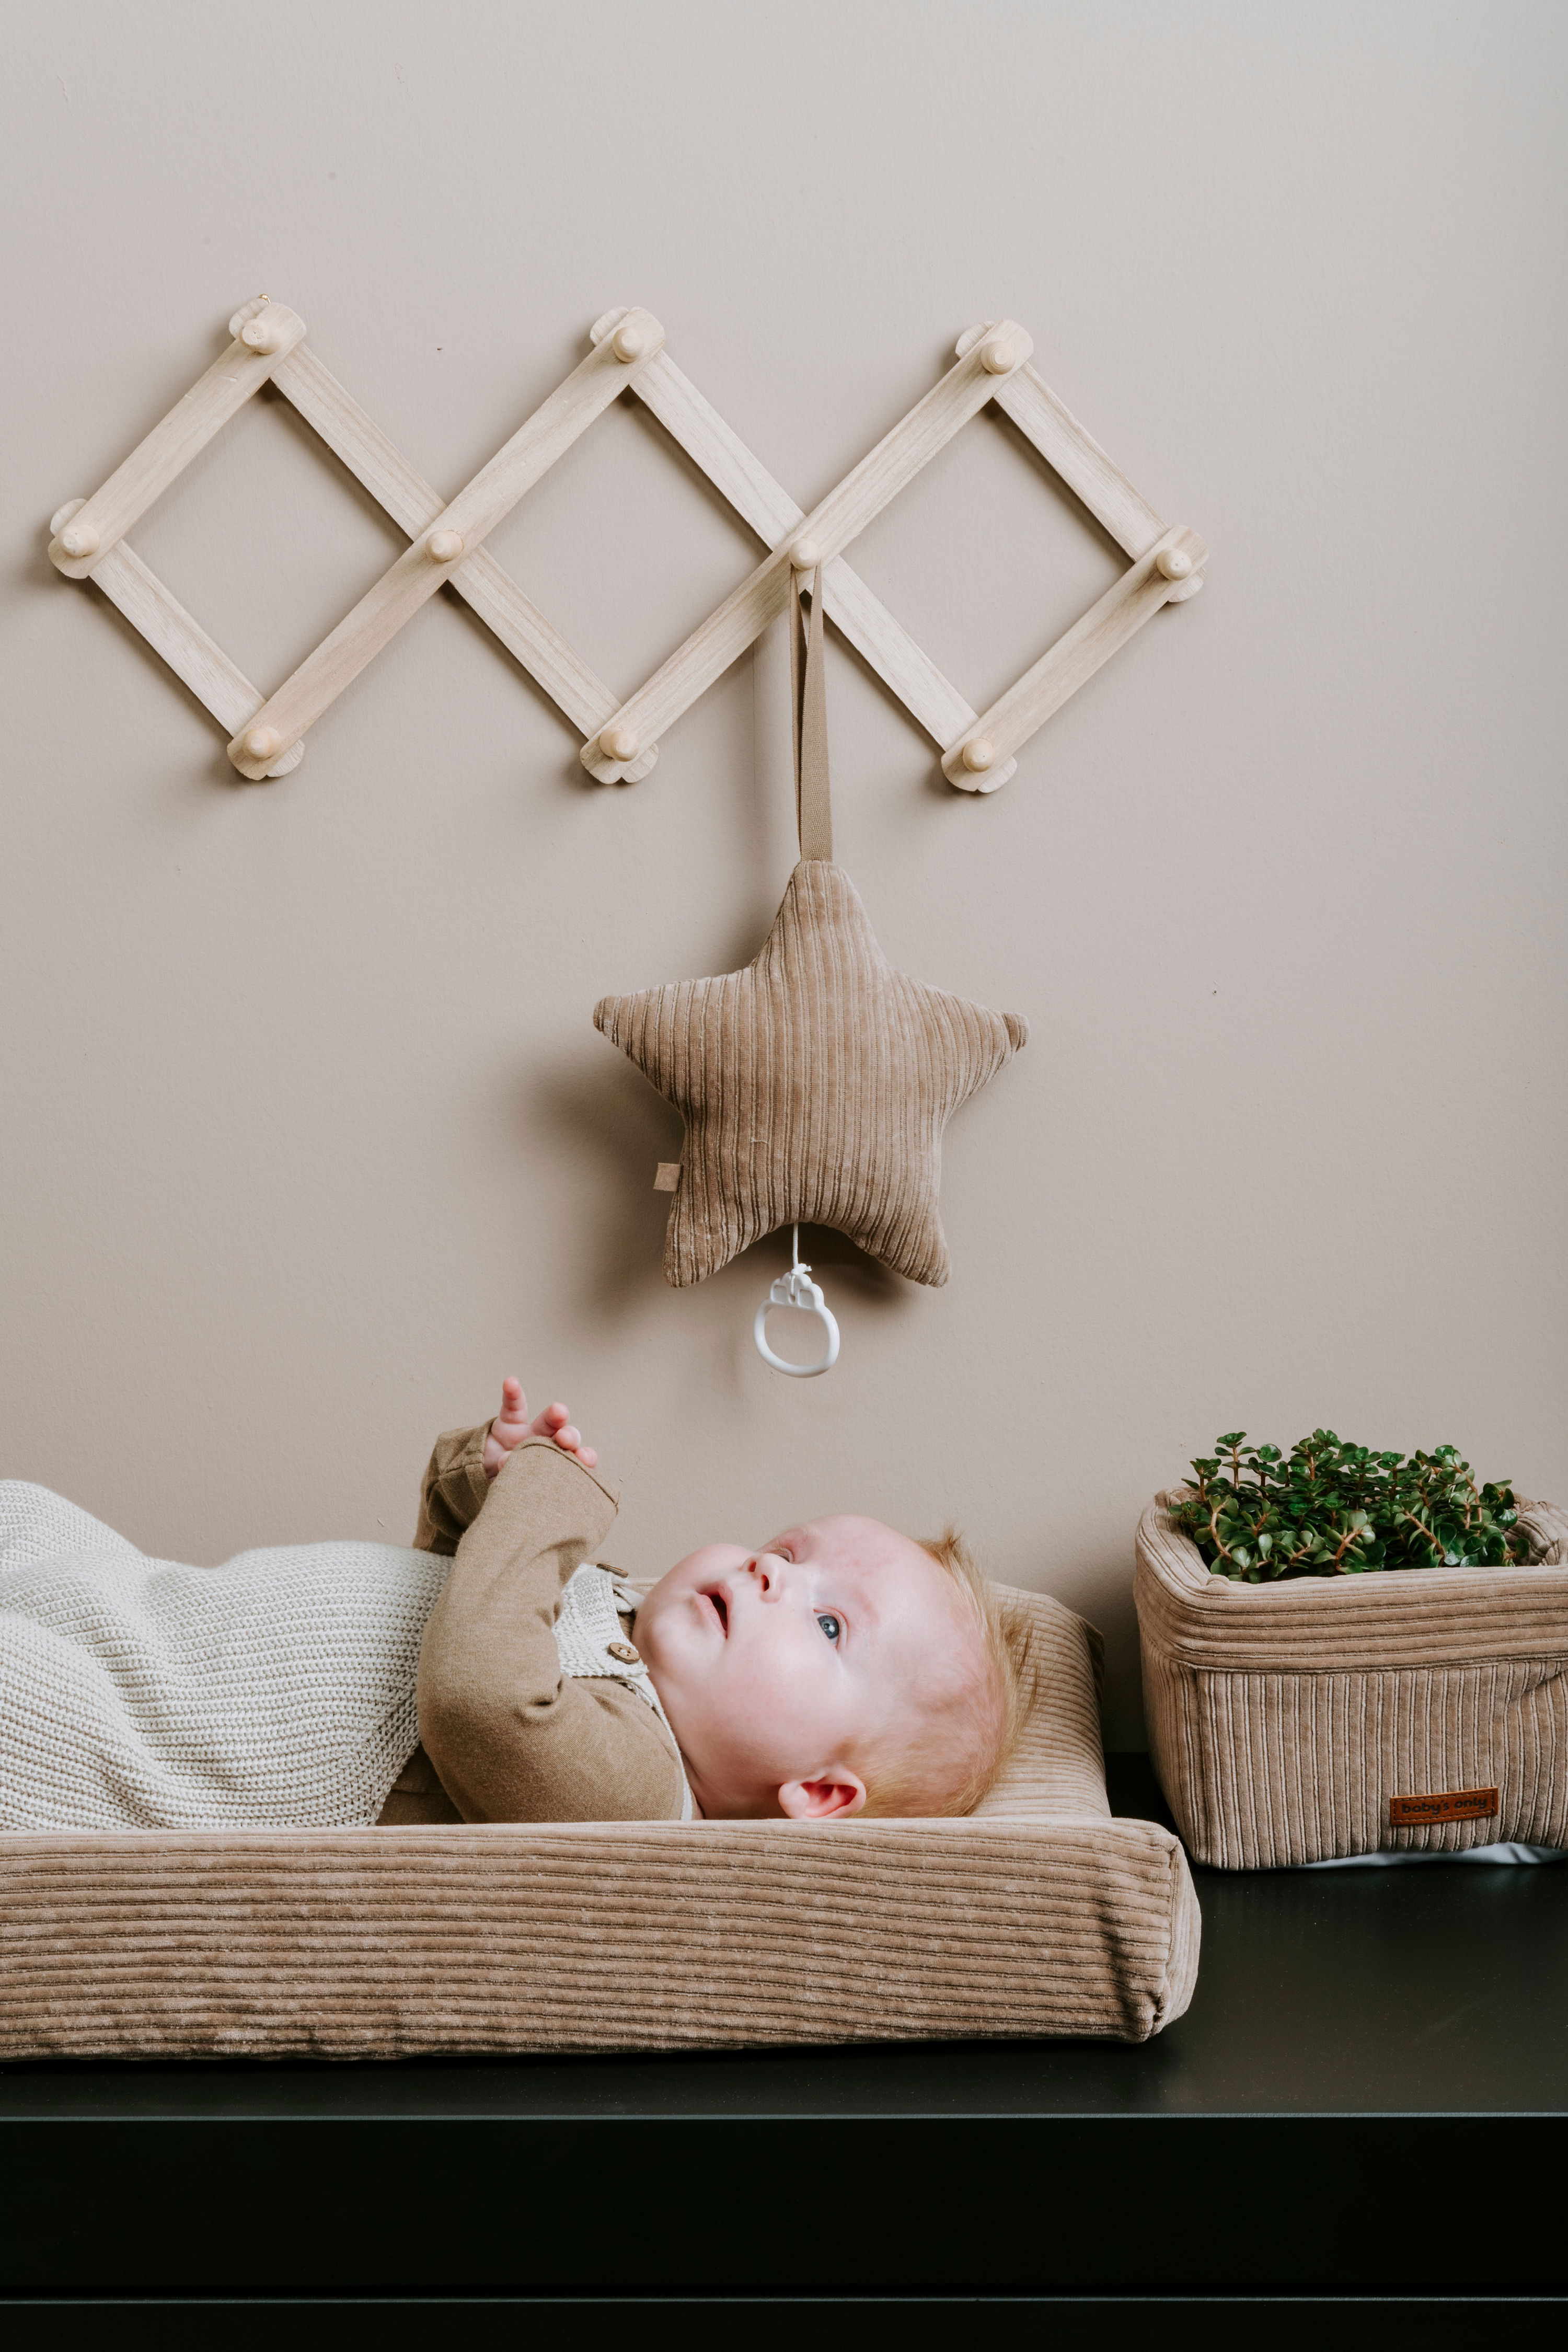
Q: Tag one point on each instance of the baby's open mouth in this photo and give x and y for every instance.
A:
(717, 1602)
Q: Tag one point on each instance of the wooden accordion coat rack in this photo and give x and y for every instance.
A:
(446, 545)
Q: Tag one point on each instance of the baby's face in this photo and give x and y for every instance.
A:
(777, 1666)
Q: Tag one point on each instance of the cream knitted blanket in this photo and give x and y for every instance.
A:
(274, 1692)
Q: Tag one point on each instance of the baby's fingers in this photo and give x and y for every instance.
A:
(556, 1421)
(569, 1440)
(513, 1414)
(509, 1428)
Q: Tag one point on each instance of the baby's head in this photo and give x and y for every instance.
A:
(844, 1668)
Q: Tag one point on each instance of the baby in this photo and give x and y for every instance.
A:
(842, 1668)
(495, 1672)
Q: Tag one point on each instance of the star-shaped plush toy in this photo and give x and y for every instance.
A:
(817, 1082)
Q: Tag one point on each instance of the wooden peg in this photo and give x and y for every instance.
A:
(805, 555)
(445, 546)
(997, 357)
(979, 754)
(628, 344)
(78, 540)
(262, 742)
(1173, 563)
(618, 743)
(260, 334)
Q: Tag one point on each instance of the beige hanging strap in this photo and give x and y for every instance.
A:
(808, 705)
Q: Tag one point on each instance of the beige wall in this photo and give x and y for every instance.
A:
(307, 1135)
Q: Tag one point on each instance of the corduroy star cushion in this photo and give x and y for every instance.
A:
(814, 1086)
(817, 1082)
(1036, 1914)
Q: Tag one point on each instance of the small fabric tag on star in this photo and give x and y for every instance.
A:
(667, 1176)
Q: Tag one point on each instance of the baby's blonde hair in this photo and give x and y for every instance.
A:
(945, 1760)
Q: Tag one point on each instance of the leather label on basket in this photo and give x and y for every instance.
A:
(1445, 1805)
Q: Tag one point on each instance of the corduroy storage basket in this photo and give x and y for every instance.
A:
(1286, 1719)
(1036, 1914)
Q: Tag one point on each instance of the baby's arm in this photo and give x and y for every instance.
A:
(512, 1738)
(464, 1462)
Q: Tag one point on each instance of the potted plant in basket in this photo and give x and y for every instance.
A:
(1348, 1651)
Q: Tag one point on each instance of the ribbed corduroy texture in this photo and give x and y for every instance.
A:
(1282, 1718)
(1038, 1915)
(814, 1086)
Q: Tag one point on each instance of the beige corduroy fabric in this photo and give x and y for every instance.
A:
(1283, 1717)
(1037, 1915)
(815, 1084)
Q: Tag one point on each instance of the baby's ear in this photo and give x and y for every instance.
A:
(837, 1793)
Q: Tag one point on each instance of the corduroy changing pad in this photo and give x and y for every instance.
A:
(1283, 1719)
(1038, 1913)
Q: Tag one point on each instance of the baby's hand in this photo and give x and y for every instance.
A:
(511, 1425)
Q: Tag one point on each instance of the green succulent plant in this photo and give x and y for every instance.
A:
(1330, 1509)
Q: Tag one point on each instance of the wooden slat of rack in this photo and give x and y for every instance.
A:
(184, 644)
(706, 655)
(1106, 626)
(839, 518)
(899, 662)
(1089, 471)
(415, 577)
(1081, 461)
(491, 591)
(175, 439)
(912, 443)
(718, 450)
(178, 638)
(738, 475)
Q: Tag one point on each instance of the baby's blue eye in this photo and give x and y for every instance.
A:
(829, 1624)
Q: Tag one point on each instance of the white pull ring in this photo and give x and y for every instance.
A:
(796, 1288)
